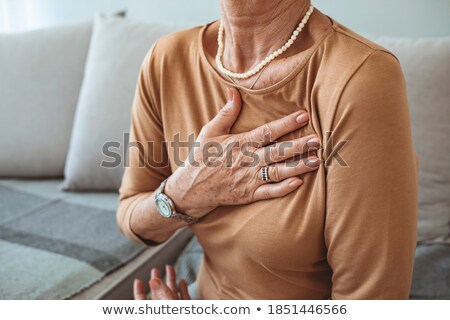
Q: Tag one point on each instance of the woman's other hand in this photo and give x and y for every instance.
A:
(161, 290)
(232, 177)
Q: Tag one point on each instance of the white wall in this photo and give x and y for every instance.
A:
(414, 18)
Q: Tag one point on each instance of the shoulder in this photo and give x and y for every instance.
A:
(375, 88)
(175, 44)
(359, 76)
(347, 39)
(345, 53)
(373, 65)
(170, 53)
(348, 62)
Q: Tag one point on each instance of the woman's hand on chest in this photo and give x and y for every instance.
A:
(232, 169)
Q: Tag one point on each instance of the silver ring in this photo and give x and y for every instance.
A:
(264, 173)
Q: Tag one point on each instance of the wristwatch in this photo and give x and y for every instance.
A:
(166, 208)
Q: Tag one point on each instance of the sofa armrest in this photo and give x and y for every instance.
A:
(118, 285)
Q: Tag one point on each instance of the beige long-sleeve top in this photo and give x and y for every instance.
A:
(349, 232)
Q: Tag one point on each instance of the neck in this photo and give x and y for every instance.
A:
(254, 29)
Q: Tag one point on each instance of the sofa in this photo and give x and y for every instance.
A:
(65, 100)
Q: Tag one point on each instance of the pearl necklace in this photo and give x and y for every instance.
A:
(267, 60)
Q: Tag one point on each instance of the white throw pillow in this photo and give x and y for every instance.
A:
(426, 65)
(40, 78)
(117, 49)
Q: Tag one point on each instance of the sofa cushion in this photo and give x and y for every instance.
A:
(117, 50)
(431, 278)
(40, 77)
(426, 65)
(54, 244)
(44, 232)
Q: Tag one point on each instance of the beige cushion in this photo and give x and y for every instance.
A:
(426, 65)
(117, 50)
(40, 77)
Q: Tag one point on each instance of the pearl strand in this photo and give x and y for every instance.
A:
(267, 60)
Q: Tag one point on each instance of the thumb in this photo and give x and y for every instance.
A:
(227, 116)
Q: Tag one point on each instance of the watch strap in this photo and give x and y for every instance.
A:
(184, 217)
(178, 216)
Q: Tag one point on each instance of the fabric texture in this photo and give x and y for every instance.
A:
(40, 80)
(188, 266)
(349, 232)
(103, 112)
(431, 279)
(53, 244)
(426, 64)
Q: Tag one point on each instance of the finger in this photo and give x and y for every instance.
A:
(160, 291)
(139, 290)
(155, 274)
(171, 278)
(287, 149)
(283, 170)
(184, 292)
(221, 124)
(271, 131)
(276, 190)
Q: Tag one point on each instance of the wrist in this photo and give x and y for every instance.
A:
(141, 223)
(181, 204)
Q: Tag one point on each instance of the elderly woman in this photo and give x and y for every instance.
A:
(300, 181)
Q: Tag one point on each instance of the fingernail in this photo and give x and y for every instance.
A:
(302, 118)
(295, 183)
(228, 105)
(313, 142)
(313, 162)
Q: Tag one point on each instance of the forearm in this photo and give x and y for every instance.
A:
(144, 220)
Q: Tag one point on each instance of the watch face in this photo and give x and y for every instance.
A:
(163, 208)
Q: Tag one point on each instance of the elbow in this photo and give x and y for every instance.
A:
(123, 218)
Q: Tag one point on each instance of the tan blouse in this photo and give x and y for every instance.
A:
(349, 232)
